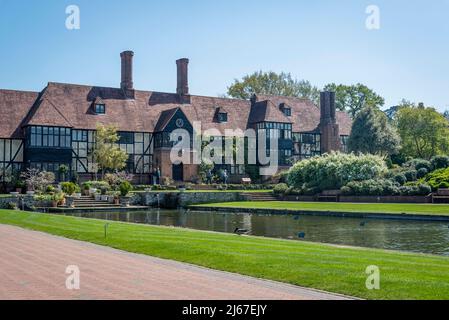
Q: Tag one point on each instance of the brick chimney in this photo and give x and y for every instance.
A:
(127, 70)
(183, 77)
(330, 132)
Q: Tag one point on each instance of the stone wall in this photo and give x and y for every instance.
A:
(183, 199)
(28, 201)
(188, 198)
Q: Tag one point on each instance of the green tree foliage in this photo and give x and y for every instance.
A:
(372, 133)
(424, 131)
(107, 153)
(272, 83)
(354, 97)
(334, 170)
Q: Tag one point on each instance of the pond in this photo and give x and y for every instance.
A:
(414, 236)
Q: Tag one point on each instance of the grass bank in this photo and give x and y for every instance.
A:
(387, 208)
(211, 190)
(326, 267)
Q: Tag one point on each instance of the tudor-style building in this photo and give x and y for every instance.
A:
(57, 125)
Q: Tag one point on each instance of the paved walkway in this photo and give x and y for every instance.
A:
(33, 265)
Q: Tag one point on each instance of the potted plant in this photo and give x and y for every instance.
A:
(20, 185)
(77, 192)
(116, 198)
(62, 170)
(125, 189)
(85, 188)
(104, 195)
(57, 199)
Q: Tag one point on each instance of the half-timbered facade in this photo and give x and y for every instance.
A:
(56, 126)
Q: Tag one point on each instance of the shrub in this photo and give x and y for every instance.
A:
(58, 196)
(68, 188)
(419, 190)
(424, 189)
(437, 179)
(97, 185)
(86, 185)
(421, 163)
(334, 170)
(11, 206)
(125, 188)
(378, 187)
(280, 188)
(400, 178)
(440, 162)
(115, 179)
(421, 172)
(411, 175)
(37, 180)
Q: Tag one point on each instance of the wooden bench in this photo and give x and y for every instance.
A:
(329, 196)
(441, 194)
(246, 180)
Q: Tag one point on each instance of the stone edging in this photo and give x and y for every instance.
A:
(365, 215)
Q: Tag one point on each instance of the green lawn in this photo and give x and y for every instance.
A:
(326, 267)
(427, 209)
(215, 190)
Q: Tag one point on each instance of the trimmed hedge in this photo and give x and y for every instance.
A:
(384, 187)
(280, 188)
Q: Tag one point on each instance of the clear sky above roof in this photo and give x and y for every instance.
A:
(321, 41)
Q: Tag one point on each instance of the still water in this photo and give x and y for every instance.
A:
(415, 236)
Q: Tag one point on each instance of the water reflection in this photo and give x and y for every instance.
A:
(416, 236)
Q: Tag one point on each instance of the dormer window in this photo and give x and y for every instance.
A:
(100, 108)
(286, 110)
(222, 117)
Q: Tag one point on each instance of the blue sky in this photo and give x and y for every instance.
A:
(322, 41)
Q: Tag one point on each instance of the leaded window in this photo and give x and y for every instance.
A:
(306, 145)
(48, 137)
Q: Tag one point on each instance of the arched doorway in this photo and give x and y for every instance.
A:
(178, 172)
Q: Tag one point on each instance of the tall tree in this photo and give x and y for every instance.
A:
(423, 130)
(372, 133)
(272, 83)
(354, 97)
(107, 153)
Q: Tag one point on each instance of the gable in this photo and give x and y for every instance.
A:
(14, 108)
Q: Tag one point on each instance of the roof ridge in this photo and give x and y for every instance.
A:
(21, 91)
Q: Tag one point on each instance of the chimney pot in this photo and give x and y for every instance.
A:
(182, 76)
(127, 70)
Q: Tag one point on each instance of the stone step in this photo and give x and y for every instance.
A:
(109, 205)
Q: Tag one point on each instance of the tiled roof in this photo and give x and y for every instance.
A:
(70, 105)
(164, 119)
(306, 115)
(266, 110)
(14, 107)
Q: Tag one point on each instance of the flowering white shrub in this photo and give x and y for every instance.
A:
(334, 170)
